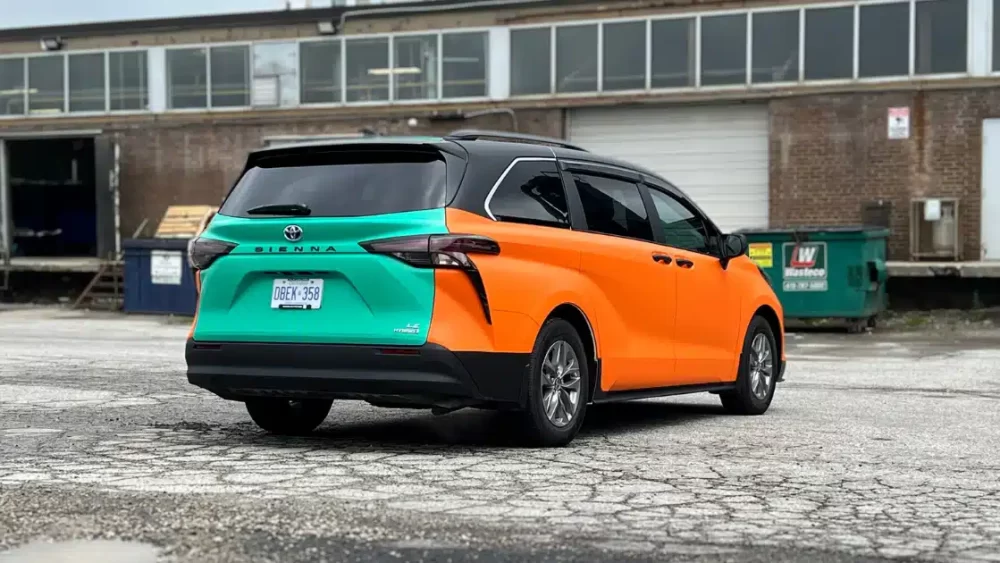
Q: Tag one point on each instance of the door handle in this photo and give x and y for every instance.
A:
(683, 263)
(662, 258)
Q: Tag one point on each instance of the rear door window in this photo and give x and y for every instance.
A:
(531, 192)
(342, 183)
(613, 206)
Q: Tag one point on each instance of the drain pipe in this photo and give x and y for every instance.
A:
(429, 8)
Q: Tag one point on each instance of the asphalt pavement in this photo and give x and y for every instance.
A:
(877, 447)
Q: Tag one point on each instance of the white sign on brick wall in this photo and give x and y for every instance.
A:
(899, 123)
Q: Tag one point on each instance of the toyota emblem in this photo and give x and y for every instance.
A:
(293, 233)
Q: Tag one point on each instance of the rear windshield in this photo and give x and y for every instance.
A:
(342, 183)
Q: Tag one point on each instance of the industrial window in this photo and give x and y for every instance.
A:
(319, 72)
(86, 82)
(532, 192)
(884, 40)
(187, 78)
(673, 50)
(464, 67)
(12, 87)
(531, 61)
(624, 56)
(415, 67)
(46, 84)
(367, 70)
(127, 76)
(230, 76)
(829, 43)
(941, 36)
(576, 58)
(724, 50)
(775, 47)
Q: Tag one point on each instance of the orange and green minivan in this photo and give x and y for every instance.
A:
(478, 269)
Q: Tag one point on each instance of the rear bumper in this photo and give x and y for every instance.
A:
(428, 375)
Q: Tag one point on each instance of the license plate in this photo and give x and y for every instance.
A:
(297, 294)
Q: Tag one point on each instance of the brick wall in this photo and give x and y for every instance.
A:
(190, 164)
(831, 153)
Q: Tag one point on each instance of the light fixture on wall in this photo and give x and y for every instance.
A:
(326, 28)
(51, 43)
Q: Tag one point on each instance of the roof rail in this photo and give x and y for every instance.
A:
(476, 134)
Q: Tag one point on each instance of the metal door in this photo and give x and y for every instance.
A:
(107, 157)
(990, 220)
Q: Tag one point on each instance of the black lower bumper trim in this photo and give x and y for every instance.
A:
(422, 376)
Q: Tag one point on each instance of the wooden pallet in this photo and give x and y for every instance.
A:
(183, 221)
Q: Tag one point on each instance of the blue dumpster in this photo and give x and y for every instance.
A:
(158, 278)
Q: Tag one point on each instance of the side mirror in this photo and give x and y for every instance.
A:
(732, 247)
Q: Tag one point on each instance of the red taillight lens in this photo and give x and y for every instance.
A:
(202, 252)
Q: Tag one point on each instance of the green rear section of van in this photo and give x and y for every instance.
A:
(367, 298)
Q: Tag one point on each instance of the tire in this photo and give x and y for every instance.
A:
(743, 399)
(557, 344)
(288, 417)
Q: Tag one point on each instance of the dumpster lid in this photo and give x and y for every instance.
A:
(155, 243)
(869, 231)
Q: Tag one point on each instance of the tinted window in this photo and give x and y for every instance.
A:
(613, 207)
(360, 183)
(681, 228)
(532, 192)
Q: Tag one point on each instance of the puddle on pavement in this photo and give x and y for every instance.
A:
(82, 551)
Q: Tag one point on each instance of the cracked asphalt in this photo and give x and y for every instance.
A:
(877, 447)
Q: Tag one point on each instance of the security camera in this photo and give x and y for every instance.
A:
(51, 43)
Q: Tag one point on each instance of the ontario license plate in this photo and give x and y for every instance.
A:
(297, 294)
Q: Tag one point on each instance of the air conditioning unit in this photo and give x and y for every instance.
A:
(934, 229)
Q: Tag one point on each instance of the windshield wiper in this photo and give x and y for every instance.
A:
(280, 209)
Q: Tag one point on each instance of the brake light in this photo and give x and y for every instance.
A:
(444, 252)
(202, 252)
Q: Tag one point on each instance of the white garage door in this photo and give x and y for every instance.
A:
(717, 155)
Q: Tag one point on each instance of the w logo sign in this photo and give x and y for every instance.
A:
(804, 256)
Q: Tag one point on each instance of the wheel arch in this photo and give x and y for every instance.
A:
(771, 316)
(574, 315)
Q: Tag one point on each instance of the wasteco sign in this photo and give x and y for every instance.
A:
(804, 266)
(762, 253)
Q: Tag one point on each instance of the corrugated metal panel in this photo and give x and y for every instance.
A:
(718, 155)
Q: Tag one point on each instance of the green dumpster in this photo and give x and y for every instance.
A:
(824, 272)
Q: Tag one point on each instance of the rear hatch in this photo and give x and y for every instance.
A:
(283, 260)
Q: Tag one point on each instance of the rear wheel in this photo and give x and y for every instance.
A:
(557, 381)
(288, 417)
(758, 371)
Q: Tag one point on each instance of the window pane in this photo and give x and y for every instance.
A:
(673, 53)
(775, 47)
(724, 50)
(464, 64)
(530, 61)
(11, 86)
(576, 58)
(187, 78)
(86, 82)
(45, 84)
(129, 86)
(320, 72)
(613, 207)
(829, 43)
(416, 68)
(367, 70)
(681, 228)
(625, 56)
(941, 37)
(532, 192)
(230, 76)
(884, 40)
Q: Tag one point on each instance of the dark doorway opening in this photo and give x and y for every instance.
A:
(53, 203)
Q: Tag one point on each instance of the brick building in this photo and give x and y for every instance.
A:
(767, 113)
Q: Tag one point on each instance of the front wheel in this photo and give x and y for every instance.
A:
(758, 373)
(557, 381)
(288, 417)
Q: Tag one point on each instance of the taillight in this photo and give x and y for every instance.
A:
(202, 252)
(441, 251)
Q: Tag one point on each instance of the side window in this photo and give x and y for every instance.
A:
(681, 228)
(613, 207)
(532, 192)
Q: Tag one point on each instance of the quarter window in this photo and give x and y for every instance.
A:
(613, 207)
(532, 192)
(681, 228)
